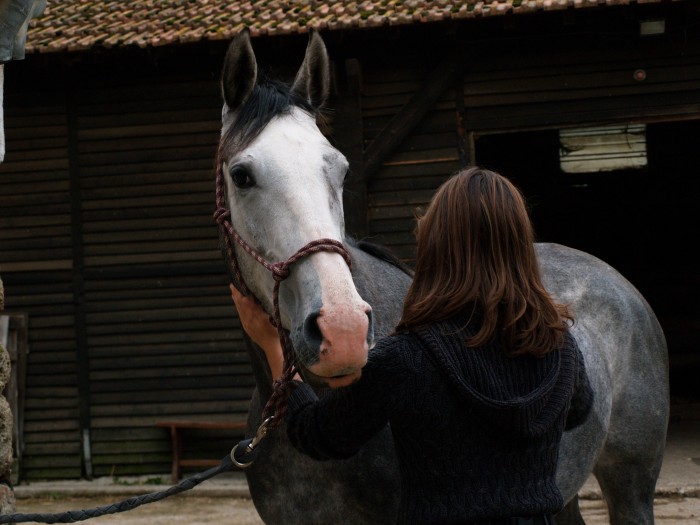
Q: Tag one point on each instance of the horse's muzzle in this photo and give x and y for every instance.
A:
(334, 342)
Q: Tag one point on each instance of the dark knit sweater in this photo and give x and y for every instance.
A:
(476, 432)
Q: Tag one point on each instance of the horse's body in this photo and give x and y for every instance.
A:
(282, 197)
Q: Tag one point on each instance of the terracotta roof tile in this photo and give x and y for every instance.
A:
(73, 25)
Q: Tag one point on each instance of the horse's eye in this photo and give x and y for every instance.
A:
(241, 177)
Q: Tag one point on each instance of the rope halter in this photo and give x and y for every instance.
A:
(281, 386)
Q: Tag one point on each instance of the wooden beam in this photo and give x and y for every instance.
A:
(410, 115)
(465, 137)
(81, 348)
(348, 133)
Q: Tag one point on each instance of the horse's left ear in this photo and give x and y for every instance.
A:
(313, 78)
(240, 72)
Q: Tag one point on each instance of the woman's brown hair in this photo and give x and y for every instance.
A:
(476, 255)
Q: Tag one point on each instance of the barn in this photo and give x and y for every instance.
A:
(108, 250)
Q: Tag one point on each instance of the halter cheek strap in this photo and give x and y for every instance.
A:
(274, 410)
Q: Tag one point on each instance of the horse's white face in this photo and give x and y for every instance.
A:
(285, 190)
(290, 189)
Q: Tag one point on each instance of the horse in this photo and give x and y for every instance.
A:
(282, 188)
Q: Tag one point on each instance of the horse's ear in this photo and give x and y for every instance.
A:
(313, 78)
(240, 71)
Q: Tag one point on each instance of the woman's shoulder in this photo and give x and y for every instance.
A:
(569, 354)
(395, 343)
(570, 345)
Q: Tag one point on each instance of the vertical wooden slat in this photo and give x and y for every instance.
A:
(82, 354)
(348, 134)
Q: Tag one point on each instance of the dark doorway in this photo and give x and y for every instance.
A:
(644, 222)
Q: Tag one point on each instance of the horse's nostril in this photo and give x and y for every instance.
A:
(336, 338)
(370, 327)
(312, 332)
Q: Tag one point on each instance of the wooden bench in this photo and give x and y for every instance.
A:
(177, 426)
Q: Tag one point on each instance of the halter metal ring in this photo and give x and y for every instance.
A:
(250, 447)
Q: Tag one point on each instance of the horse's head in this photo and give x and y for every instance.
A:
(283, 184)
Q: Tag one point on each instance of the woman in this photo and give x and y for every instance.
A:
(479, 380)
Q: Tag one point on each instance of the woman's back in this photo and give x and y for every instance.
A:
(476, 431)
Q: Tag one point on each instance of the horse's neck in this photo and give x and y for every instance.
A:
(261, 370)
(382, 284)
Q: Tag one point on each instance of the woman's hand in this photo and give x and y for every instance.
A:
(256, 323)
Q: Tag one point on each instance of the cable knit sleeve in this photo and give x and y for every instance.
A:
(582, 399)
(337, 424)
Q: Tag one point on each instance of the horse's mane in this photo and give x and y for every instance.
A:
(380, 252)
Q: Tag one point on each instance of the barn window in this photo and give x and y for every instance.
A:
(607, 148)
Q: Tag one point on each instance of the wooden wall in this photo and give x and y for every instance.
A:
(514, 82)
(107, 241)
(504, 112)
(37, 266)
(407, 178)
(106, 196)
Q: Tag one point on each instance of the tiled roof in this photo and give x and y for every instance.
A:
(72, 25)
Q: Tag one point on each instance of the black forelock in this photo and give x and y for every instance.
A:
(268, 99)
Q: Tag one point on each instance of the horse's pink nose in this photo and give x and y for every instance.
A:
(342, 334)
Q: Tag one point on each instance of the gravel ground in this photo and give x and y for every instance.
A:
(170, 511)
(675, 510)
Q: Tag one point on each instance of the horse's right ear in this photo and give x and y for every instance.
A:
(240, 72)
(313, 78)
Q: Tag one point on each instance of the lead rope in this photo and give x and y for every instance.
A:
(243, 454)
(72, 516)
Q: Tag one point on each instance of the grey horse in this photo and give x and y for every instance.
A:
(283, 188)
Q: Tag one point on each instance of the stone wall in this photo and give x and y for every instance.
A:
(7, 496)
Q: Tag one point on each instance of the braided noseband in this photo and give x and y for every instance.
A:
(281, 387)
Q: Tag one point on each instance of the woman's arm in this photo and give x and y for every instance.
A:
(256, 323)
(339, 423)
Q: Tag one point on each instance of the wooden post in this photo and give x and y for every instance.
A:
(82, 357)
(465, 137)
(347, 127)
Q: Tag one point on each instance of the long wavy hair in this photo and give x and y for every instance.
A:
(476, 255)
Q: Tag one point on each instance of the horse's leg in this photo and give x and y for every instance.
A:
(629, 465)
(628, 487)
(570, 514)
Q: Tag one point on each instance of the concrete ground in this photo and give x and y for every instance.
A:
(226, 499)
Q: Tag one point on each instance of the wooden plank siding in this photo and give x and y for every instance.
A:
(595, 88)
(160, 324)
(160, 331)
(36, 264)
(407, 178)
